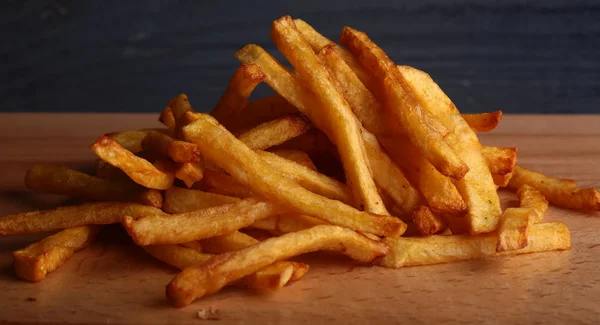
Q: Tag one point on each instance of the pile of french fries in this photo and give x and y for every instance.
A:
(354, 154)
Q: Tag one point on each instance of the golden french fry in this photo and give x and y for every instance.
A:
(297, 156)
(35, 261)
(179, 151)
(106, 170)
(245, 166)
(189, 173)
(132, 140)
(180, 200)
(260, 111)
(344, 129)
(404, 111)
(483, 122)
(500, 161)
(210, 277)
(179, 106)
(512, 232)
(167, 118)
(426, 222)
(286, 223)
(198, 224)
(532, 199)
(314, 142)
(272, 277)
(65, 181)
(100, 213)
(221, 183)
(235, 97)
(411, 251)
(477, 186)
(502, 180)
(139, 170)
(227, 243)
(195, 245)
(275, 132)
(561, 192)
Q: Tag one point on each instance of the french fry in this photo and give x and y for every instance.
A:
(426, 222)
(65, 181)
(343, 127)
(180, 200)
(235, 97)
(502, 180)
(297, 156)
(220, 183)
(98, 213)
(412, 251)
(210, 277)
(227, 243)
(272, 277)
(139, 170)
(512, 232)
(179, 151)
(532, 199)
(245, 166)
(260, 111)
(132, 140)
(286, 223)
(483, 122)
(314, 142)
(195, 245)
(198, 224)
(189, 173)
(35, 261)
(179, 106)
(500, 161)
(424, 131)
(167, 118)
(106, 170)
(477, 186)
(275, 132)
(560, 192)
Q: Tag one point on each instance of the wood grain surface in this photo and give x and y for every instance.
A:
(114, 282)
(521, 56)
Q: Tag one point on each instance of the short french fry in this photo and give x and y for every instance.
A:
(179, 151)
(483, 122)
(512, 232)
(35, 261)
(207, 278)
(245, 166)
(65, 181)
(139, 170)
(275, 132)
(502, 180)
(132, 140)
(189, 173)
(411, 251)
(198, 224)
(426, 222)
(180, 200)
(221, 183)
(297, 156)
(532, 199)
(500, 161)
(100, 213)
(235, 97)
(167, 118)
(286, 223)
(561, 192)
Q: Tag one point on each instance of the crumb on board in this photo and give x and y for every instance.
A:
(210, 313)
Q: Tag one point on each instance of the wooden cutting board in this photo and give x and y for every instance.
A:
(114, 282)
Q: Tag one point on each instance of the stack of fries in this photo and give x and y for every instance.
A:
(353, 154)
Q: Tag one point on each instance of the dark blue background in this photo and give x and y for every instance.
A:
(133, 56)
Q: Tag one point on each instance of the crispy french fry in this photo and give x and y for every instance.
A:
(512, 232)
(100, 213)
(167, 118)
(245, 166)
(477, 186)
(483, 122)
(189, 173)
(502, 180)
(210, 277)
(532, 199)
(35, 261)
(179, 151)
(500, 161)
(272, 277)
(195, 245)
(275, 132)
(426, 222)
(132, 140)
(297, 156)
(221, 183)
(179, 106)
(235, 97)
(65, 181)
(139, 170)
(180, 200)
(198, 224)
(227, 243)
(343, 127)
(260, 111)
(314, 142)
(411, 251)
(404, 111)
(561, 192)
(286, 223)
(106, 170)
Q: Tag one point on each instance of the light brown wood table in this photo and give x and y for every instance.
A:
(114, 282)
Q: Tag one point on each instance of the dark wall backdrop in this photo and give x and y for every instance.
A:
(133, 56)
